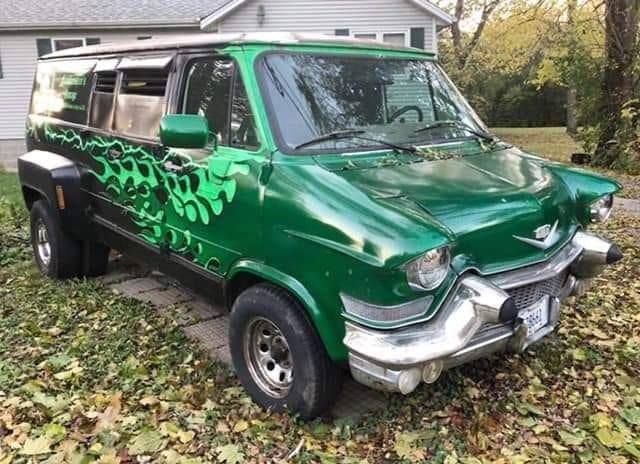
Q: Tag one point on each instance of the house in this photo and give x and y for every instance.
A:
(32, 28)
(403, 22)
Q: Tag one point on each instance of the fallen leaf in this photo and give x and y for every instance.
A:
(33, 447)
(147, 442)
(230, 454)
(610, 438)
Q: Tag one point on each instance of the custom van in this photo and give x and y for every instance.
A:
(339, 197)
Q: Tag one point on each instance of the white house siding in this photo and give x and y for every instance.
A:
(359, 16)
(18, 56)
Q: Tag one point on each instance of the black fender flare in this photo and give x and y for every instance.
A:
(57, 180)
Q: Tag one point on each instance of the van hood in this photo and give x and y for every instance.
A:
(489, 202)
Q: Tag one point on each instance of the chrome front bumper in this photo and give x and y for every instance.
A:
(480, 317)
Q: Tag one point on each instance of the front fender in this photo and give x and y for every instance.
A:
(584, 186)
(330, 333)
(57, 180)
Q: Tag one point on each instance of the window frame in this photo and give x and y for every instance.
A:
(187, 61)
(169, 96)
(54, 39)
(380, 35)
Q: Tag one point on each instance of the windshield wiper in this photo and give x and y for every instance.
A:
(354, 134)
(461, 125)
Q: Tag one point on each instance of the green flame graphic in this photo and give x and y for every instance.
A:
(161, 203)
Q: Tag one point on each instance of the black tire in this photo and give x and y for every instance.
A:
(316, 378)
(97, 259)
(64, 258)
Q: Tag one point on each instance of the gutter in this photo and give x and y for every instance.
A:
(142, 24)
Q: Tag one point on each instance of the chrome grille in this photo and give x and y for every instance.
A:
(527, 295)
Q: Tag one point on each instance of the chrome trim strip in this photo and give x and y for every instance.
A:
(369, 312)
(538, 272)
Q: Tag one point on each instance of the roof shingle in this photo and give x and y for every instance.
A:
(91, 13)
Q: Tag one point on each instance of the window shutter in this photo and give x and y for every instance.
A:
(44, 46)
(1, 75)
(342, 31)
(417, 37)
(92, 40)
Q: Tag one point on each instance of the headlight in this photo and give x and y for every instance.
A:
(601, 208)
(429, 270)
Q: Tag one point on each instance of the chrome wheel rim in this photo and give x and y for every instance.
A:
(268, 357)
(42, 243)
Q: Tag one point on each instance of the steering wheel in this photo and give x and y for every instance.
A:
(404, 109)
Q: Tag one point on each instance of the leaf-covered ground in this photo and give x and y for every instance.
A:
(88, 376)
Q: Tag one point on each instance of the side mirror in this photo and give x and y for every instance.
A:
(184, 131)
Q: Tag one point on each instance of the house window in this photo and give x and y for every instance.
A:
(394, 38)
(48, 45)
(63, 44)
(366, 36)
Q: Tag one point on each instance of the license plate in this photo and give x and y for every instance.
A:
(535, 316)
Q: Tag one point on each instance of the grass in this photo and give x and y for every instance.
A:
(89, 376)
(9, 187)
(550, 142)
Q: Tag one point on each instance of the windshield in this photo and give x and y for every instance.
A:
(400, 101)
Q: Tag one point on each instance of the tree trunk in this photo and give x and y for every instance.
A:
(572, 91)
(621, 18)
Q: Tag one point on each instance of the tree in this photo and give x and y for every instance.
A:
(464, 48)
(572, 90)
(617, 88)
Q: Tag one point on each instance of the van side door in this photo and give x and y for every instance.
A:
(213, 211)
(129, 98)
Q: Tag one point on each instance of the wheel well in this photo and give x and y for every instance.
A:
(238, 284)
(30, 196)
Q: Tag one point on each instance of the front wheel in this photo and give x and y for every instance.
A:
(278, 354)
(57, 255)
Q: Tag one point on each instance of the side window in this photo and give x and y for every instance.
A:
(62, 90)
(102, 104)
(208, 91)
(140, 102)
(243, 128)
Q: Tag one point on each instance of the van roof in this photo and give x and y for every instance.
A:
(207, 39)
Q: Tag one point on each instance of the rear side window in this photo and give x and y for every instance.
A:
(62, 90)
(102, 104)
(141, 101)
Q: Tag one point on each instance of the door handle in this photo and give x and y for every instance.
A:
(114, 154)
(173, 167)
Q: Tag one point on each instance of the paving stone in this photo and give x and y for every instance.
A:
(221, 354)
(203, 309)
(356, 400)
(165, 297)
(210, 334)
(134, 287)
(630, 205)
(115, 277)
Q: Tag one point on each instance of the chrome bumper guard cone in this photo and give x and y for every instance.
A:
(477, 319)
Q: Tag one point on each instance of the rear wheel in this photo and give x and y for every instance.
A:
(56, 254)
(278, 354)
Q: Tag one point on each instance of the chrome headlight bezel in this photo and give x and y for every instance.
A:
(600, 210)
(429, 270)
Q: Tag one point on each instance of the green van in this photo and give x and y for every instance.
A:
(338, 196)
